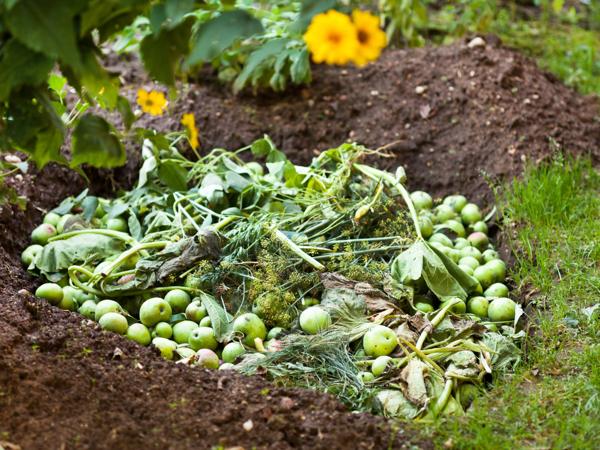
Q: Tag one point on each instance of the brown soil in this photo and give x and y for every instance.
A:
(66, 384)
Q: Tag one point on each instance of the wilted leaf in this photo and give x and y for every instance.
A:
(95, 143)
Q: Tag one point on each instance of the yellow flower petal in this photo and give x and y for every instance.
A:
(189, 122)
(153, 102)
(371, 39)
(331, 38)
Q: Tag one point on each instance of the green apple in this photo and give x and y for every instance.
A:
(251, 326)
(232, 351)
(139, 333)
(115, 322)
(274, 332)
(178, 299)
(365, 377)
(51, 292)
(490, 254)
(498, 269)
(421, 200)
(502, 310)
(202, 337)
(479, 240)
(470, 214)
(456, 202)
(182, 331)
(314, 319)
(460, 243)
(478, 306)
(444, 213)
(472, 252)
(68, 301)
(88, 309)
(106, 306)
(380, 364)
(496, 290)
(480, 226)
(205, 322)
(466, 269)
(442, 239)
(227, 366)
(379, 341)
(163, 330)
(470, 261)
(155, 310)
(207, 359)
(42, 233)
(424, 307)
(166, 346)
(117, 224)
(30, 253)
(184, 352)
(195, 311)
(51, 218)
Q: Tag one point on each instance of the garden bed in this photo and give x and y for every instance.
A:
(482, 110)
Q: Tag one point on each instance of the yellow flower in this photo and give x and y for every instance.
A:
(331, 38)
(371, 38)
(189, 122)
(153, 102)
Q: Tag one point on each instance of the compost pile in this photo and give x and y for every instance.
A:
(330, 276)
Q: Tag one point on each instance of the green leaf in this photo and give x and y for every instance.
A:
(216, 35)
(237, 182)
(35, 128)
(467, 282)
(262, 147)
(219, 318)
(47, 27)
(89, 205)
(95, 143)
(169, 14)
(173, 175)
(124, 108)
(57, 256)
(300, 68)
(409, 264)
(268, 51)
(20, 65)
(438, 278)
(161, 53)
(108, 15)
(135, 227)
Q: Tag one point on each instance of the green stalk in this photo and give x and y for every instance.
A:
(111, 233)
(132, 251)
(72, 272)
(298, 251)
(435, 322)
(443, 399)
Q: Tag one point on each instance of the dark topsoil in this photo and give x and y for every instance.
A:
(66, 384)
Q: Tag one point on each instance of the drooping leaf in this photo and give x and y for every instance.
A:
(220, 319)
(135, 227)
(35, 128)
(47, 27)
(162, 52)
(19, 65)
(268, 51)
(216, 35)
(169, 14)
(95, 143)
(173, 175)
(409, 264)
(57, 256)
(124, 108)
(174, 259)
(89, 205)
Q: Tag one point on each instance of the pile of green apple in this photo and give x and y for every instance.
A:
(456, 227)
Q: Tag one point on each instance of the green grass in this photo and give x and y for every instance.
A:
(553, 400)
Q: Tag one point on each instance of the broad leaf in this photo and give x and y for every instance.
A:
(220, 319)
(173, 175)
(268, 51)
(216, 35)
(58, 256)
(437, 276)
(311, 8)
(47, 27)
(95, 143)
(169, 14)
(20, 65)
(162, 52)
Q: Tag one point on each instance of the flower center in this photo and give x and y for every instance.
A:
(363, 36)
(334, 37)
(149, 103)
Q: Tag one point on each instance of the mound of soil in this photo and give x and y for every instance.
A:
(452, 116)
(447, 114)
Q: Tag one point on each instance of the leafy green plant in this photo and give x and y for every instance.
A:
(38, 37)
